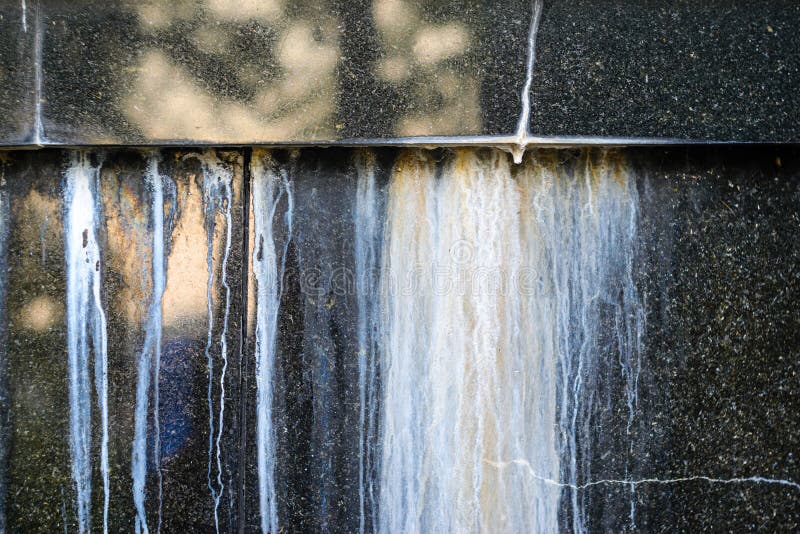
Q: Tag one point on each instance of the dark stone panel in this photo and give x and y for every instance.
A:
(41, 490)
(719, 399)
(38, 475)
(505, 26)
(18, 28)
(316, 390)
(726, 71)
(269, 72)
(712, 445)
(5, 404)
(715, 426)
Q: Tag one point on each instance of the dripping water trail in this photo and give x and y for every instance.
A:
(268, 188)
(86, 330)
(150, 357)
(38, 128)
(523, 124)
(210, 223)
(366, 263)
(223, 342)
(217, 196)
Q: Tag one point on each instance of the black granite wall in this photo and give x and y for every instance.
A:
(712, 445)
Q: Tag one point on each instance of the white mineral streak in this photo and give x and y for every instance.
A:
(86, 332)
(492, 283)
(367, 232)
(150, 358)
(217, 197)
(465, 373)
(581, 228)
(523, 125)
(269, 186)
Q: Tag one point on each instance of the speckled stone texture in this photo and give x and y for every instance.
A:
(309, 71)
(38, 490)
(335, 71)
(722, 71)
(717, 265)
(720, 396)
(18, 30)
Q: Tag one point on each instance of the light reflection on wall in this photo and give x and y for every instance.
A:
(292, 98)
(252, 70)
(129, 252)
(184, 304)
(421, 55)
(40, 313)
(266, 10)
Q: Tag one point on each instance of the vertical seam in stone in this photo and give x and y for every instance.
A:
(243, 326)
(38, 130)
(525, 112)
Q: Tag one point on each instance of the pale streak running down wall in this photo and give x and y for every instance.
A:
(480, 291)
(368, 219)
(270, 190)
(492, 282)
(149, 363)
(444, 340)
(217, 197)
(86, 331)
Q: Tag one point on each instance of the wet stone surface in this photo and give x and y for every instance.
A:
(46, 313)
(662, 290)
(719, 234)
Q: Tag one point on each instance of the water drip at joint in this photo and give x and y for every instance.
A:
(86, 330)
(523, 125)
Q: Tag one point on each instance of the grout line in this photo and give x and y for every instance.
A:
(504, 142)
(247, 157)
(38, 134)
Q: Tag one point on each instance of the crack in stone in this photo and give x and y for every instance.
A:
(525, 113)
(642, 481)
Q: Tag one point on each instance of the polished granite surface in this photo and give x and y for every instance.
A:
(298, 340)
(718, 71)
(305, 72)
(18, 60)
(232, 72)
(181, 338)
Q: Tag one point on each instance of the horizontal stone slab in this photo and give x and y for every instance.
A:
(225, 72)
